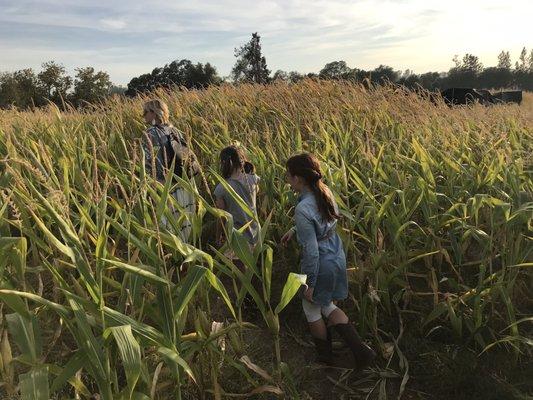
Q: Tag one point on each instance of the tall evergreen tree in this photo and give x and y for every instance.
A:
(472, 64)
(504, 60)
(522, 63)
(251, 65)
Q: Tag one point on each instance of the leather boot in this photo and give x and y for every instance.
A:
(362, 354)
(323, 351)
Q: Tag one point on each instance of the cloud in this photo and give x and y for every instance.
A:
(113, 23)
(296, 34)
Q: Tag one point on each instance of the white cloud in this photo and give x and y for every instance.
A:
(297, 34)
(113, 23)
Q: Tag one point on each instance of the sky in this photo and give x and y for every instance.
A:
(129, 37)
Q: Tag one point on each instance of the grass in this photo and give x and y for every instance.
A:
(437, 213)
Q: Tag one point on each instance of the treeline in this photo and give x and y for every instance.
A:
(27, 89)
(467, 72)
(251, 66)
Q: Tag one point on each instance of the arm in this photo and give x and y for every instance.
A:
(309, 263)
(153, 157)
(148, 149)
(288, 236)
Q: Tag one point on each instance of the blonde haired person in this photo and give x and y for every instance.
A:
(161, 142)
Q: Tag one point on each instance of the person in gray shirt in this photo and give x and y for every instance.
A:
(239, 175)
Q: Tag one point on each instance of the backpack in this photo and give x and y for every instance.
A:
(176, 148)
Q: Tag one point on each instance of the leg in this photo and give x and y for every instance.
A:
(318, 331)
(338, 320)
(337, 316)
(187, 205)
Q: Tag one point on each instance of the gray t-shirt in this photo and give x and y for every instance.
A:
(246, 187)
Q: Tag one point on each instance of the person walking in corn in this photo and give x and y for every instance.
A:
(239, 175)
(163, 144)
(323, 261)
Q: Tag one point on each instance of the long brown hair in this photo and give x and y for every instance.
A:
(307, 167)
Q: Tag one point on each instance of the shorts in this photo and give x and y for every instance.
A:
(313, 312)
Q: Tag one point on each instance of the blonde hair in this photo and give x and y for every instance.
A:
(159, 108)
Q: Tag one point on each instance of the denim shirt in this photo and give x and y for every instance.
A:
(313, 234)
(155, 139)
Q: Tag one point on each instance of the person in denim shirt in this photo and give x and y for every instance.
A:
(322, 260)
(156, 114)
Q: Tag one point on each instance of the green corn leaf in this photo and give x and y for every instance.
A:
(34, 384)
(130, 354)
(13, 300)
(138, 243)
(76, 362)
(188, 286)
(267, 270)
(61, 310)
(238, 199)
(219, 287)
(141, 270)
(18, 248)
(245, 280)
(174, 361)
(26, 335)
(293, 283)
(241, 247)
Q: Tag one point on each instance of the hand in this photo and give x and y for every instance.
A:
(287, 237)
(308, 294)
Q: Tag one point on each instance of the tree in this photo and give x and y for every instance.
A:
(9, 92)
(335, 70)
(431, 80)
(117, 90)
(199, 76)
(20, 89)
(90, 86)
(504, 60)
(471, 64)
(384, 74)
(523, 73)
(495, 78)
(522, 63)
(465, 72)
(280, 75)
(295, 76)
(54, 82)
(178, 73)
(251, 65)
(291, 77)
(409, 79)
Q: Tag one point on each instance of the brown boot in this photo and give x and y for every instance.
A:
(323, 351)
(362, 354)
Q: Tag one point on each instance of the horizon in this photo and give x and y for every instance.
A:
(127, 39)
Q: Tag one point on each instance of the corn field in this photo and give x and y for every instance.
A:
(101, 300)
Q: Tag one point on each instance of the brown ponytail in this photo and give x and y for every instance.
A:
(306, 166)
(232, 158)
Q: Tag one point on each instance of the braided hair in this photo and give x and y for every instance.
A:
(307, 167)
